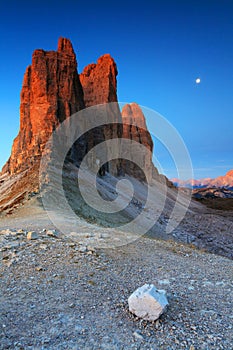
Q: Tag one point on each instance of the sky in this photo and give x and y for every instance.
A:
(160, 48)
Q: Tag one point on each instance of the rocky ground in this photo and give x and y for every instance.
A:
(59, 293)
(63, 290)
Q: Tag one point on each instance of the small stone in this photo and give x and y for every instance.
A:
(53, 233)
(13, 233)
(91, 249)
(6, 257)
(39, 268)
(166, 282)
(3, 249)
(32, 235)
(21, 232)
(208, 312)
(220, 283)
(43, 246)
(78, 328)
(6, 232)
(104, 235)
(82, 249)
(207, 283)
(147, 302)
(138, 335)
(13, 245)
(89, 235)
(191, 288)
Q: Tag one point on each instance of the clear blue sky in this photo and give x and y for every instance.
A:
(160, 47)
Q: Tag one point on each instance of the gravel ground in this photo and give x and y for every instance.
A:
(58, 294)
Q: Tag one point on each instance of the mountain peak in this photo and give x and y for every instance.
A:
(65, 46)
(48, 97)
(230, 173)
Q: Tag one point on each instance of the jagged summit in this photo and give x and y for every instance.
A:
(135, 128)
(65, 46)
(230, 173)
(99, 81)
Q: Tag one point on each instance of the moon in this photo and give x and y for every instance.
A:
(198, 80)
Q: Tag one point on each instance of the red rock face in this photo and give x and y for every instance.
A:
(51, 92)
(132, 114)
(100, 86)
(99, 81)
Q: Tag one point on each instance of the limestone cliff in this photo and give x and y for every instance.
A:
(135, 128)
(51, 92)
(100, 86)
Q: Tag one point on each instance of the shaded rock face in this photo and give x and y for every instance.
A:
(100, 86)
(99, 81)
(51, 92)
(134, 128)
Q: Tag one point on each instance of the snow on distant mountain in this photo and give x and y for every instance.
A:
(225, 181)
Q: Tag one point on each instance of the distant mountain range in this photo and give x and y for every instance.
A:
(225, 181)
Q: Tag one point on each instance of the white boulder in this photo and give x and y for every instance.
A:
(147, 302)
